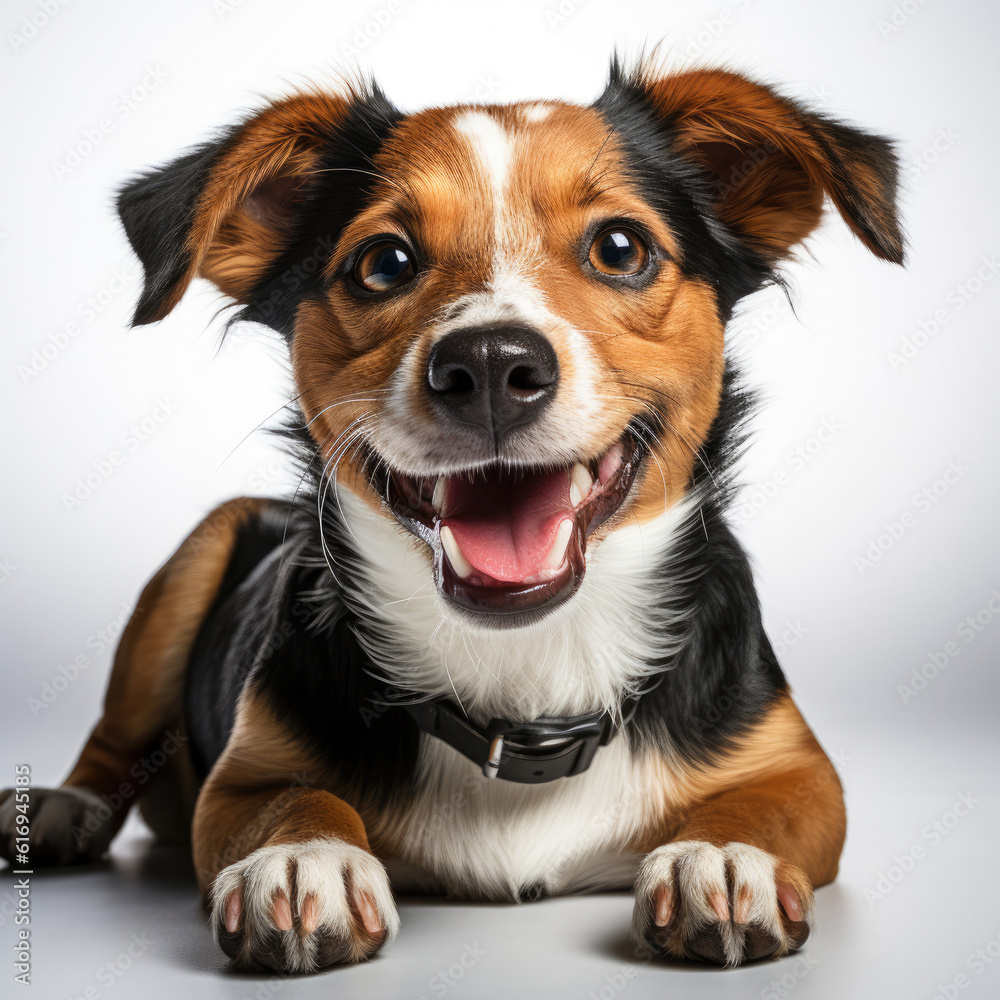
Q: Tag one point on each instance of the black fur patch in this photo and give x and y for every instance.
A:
(681, 192)
(725, 675)
(342, 182)
(279, 625)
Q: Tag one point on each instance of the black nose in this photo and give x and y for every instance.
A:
(493, 377)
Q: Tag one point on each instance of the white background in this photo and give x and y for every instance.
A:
(152, 79)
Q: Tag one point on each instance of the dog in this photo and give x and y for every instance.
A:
(501, 643)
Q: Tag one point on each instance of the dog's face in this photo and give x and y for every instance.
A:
(508, 312)
(506, 323)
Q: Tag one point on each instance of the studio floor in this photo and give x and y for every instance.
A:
(913, 916)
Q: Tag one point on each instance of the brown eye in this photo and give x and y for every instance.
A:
(384, 266)
(618, 251)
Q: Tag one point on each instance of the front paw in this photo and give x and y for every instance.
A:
(727, 905)
(301, 907)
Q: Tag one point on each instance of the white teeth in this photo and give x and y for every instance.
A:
(437, 500)
(557, 554)
(579, 484)
(461, 565)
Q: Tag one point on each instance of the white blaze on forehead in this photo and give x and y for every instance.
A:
(492, 146)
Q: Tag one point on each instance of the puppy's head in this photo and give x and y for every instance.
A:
(506, 322)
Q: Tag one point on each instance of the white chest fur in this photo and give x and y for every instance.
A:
(585, 656)
(478, 838)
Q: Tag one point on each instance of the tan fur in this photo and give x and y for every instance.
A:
(265, 789)
(143, 700)
(775, 790)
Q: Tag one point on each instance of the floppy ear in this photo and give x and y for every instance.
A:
(769, 161)
(228, 210)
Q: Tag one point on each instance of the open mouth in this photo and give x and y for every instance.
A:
(508, 540)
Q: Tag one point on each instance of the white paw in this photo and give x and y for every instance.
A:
(300, 907)
(726, 905)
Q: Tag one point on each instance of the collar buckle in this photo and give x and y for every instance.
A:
(491, 766)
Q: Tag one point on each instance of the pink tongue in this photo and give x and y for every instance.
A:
(505, 522)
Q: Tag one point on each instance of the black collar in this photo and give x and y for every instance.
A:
(529, 752)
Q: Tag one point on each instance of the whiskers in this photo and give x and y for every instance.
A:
(353, 436)
(659, 414)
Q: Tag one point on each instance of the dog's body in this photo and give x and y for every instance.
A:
(502, 642)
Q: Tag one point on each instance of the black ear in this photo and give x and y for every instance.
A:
(768, 162)
(157, 211)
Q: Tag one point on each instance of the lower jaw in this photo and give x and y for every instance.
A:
(505, 606)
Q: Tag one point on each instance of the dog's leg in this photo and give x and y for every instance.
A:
(142, 706)
(735, 880)
(287, 868)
